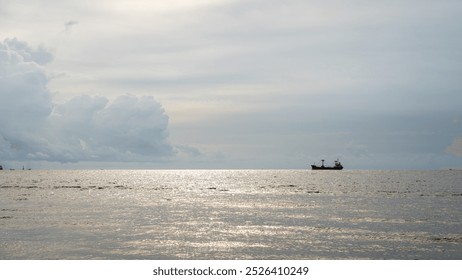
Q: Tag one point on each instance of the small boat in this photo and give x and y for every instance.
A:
(1, 167)
(337, 166)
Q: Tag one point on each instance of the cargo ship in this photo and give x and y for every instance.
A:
(337, 166)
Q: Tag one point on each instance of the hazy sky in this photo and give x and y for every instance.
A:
(230, 83)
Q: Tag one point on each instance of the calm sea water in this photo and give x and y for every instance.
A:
(230, 214)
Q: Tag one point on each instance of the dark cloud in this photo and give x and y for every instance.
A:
(85, 128)
(69, 24)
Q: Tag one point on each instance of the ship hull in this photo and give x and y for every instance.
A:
(314, 167)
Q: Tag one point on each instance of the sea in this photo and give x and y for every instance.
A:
(230, 214)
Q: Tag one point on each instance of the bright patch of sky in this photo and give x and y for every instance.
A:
(230, 84)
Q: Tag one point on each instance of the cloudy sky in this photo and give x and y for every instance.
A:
(230, 83)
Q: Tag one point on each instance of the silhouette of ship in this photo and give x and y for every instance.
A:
(337, 166)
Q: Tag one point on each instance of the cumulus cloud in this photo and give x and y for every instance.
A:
(25, 102)
(26, 53)
(85, 128)
(127, 128)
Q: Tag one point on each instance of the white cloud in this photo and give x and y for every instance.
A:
(85, 128)
(25, 102)
(26, 53)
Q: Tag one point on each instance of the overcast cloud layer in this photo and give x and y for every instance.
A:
(232, 84)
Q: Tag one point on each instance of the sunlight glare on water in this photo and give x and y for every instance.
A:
(229, 214)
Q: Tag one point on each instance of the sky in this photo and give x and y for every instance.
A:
(230, 84)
